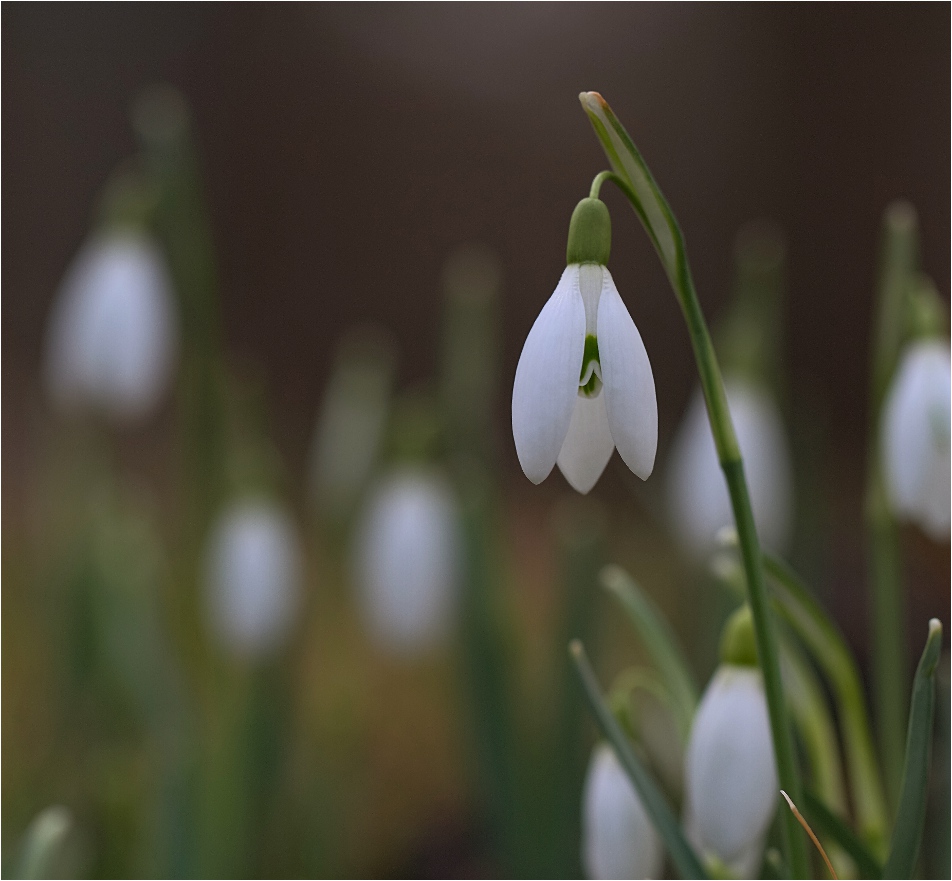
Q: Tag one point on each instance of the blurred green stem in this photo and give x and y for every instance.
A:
(890, 663)
(651, 207)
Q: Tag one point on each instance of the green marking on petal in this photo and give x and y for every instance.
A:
(590, 380)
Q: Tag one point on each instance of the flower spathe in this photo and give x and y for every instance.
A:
(584, 385)
(730, 775)
(915, 437)
(618, 837)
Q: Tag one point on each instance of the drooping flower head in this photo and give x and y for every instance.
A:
(407, 560)
(113, 336)
(730, 774)
(915, 437)
(583, 384)
(253, 571)
(698, 501)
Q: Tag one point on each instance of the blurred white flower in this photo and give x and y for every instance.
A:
(253, 572)
(618, 838)
(112, 338)
(584, 385)
(698, 502)
(915, 437)
(407, 561)
(730, 777)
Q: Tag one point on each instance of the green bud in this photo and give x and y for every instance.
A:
(925, 311)
(590, 233)
(738, 641)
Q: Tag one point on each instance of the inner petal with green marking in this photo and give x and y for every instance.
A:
(590, 378)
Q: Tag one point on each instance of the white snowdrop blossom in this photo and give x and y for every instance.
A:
(698, 501)
(112, 338)
(253, 572)
(915, 437)
(618, 838)
(407, 561)
(584, 385)
(730, 777)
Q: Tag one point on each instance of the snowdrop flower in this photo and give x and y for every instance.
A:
(407, 561)
(583, 385)
(253, 573)
(915, 437)
(112, 339)
(698, 502)
(730, 776)
(618, 838)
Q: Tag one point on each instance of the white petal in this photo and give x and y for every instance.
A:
(546, 384)
(915, 437)
(730, 776)
(618, 838)
(698, 502)
(407, 556)
(628, 383)
(252, 577)
(588, 445)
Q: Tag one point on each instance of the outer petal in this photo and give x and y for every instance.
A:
(915, 437)
(546, 386)
(618, 838)
(730, 776)
(588, 445)
(628, 382)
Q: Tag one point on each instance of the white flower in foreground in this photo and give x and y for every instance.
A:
(584, 385)
(253, 571)
(915, 437)
(618, 838)
(698, 502)
(407, 560)
(731, 786)
(112, 339)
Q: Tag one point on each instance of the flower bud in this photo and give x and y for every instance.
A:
(731, 783)
(253, 573)
(407, 558)
(618, 838)
(112, 339)
(698, 502)
(915, 435)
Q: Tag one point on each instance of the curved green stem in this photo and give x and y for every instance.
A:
(661, 226)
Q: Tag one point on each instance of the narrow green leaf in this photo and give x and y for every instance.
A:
(664, 819)
(907, 833)
(828, 825)
(813, 720)
(658, 639)
(826, 643)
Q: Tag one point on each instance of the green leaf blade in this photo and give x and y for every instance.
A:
(907, 832)
(658, 639)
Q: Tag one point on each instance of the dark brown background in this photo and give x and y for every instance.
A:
(347, 149)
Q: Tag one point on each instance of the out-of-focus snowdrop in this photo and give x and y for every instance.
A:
(407, 560)
(730, 777)
(112, 339)
(618, 838)
(351, 423)
(698, 501)
(253, 571)
(915, 435)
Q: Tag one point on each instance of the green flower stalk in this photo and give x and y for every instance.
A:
(632, 176)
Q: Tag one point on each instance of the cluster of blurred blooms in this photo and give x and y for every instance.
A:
(379, 481)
